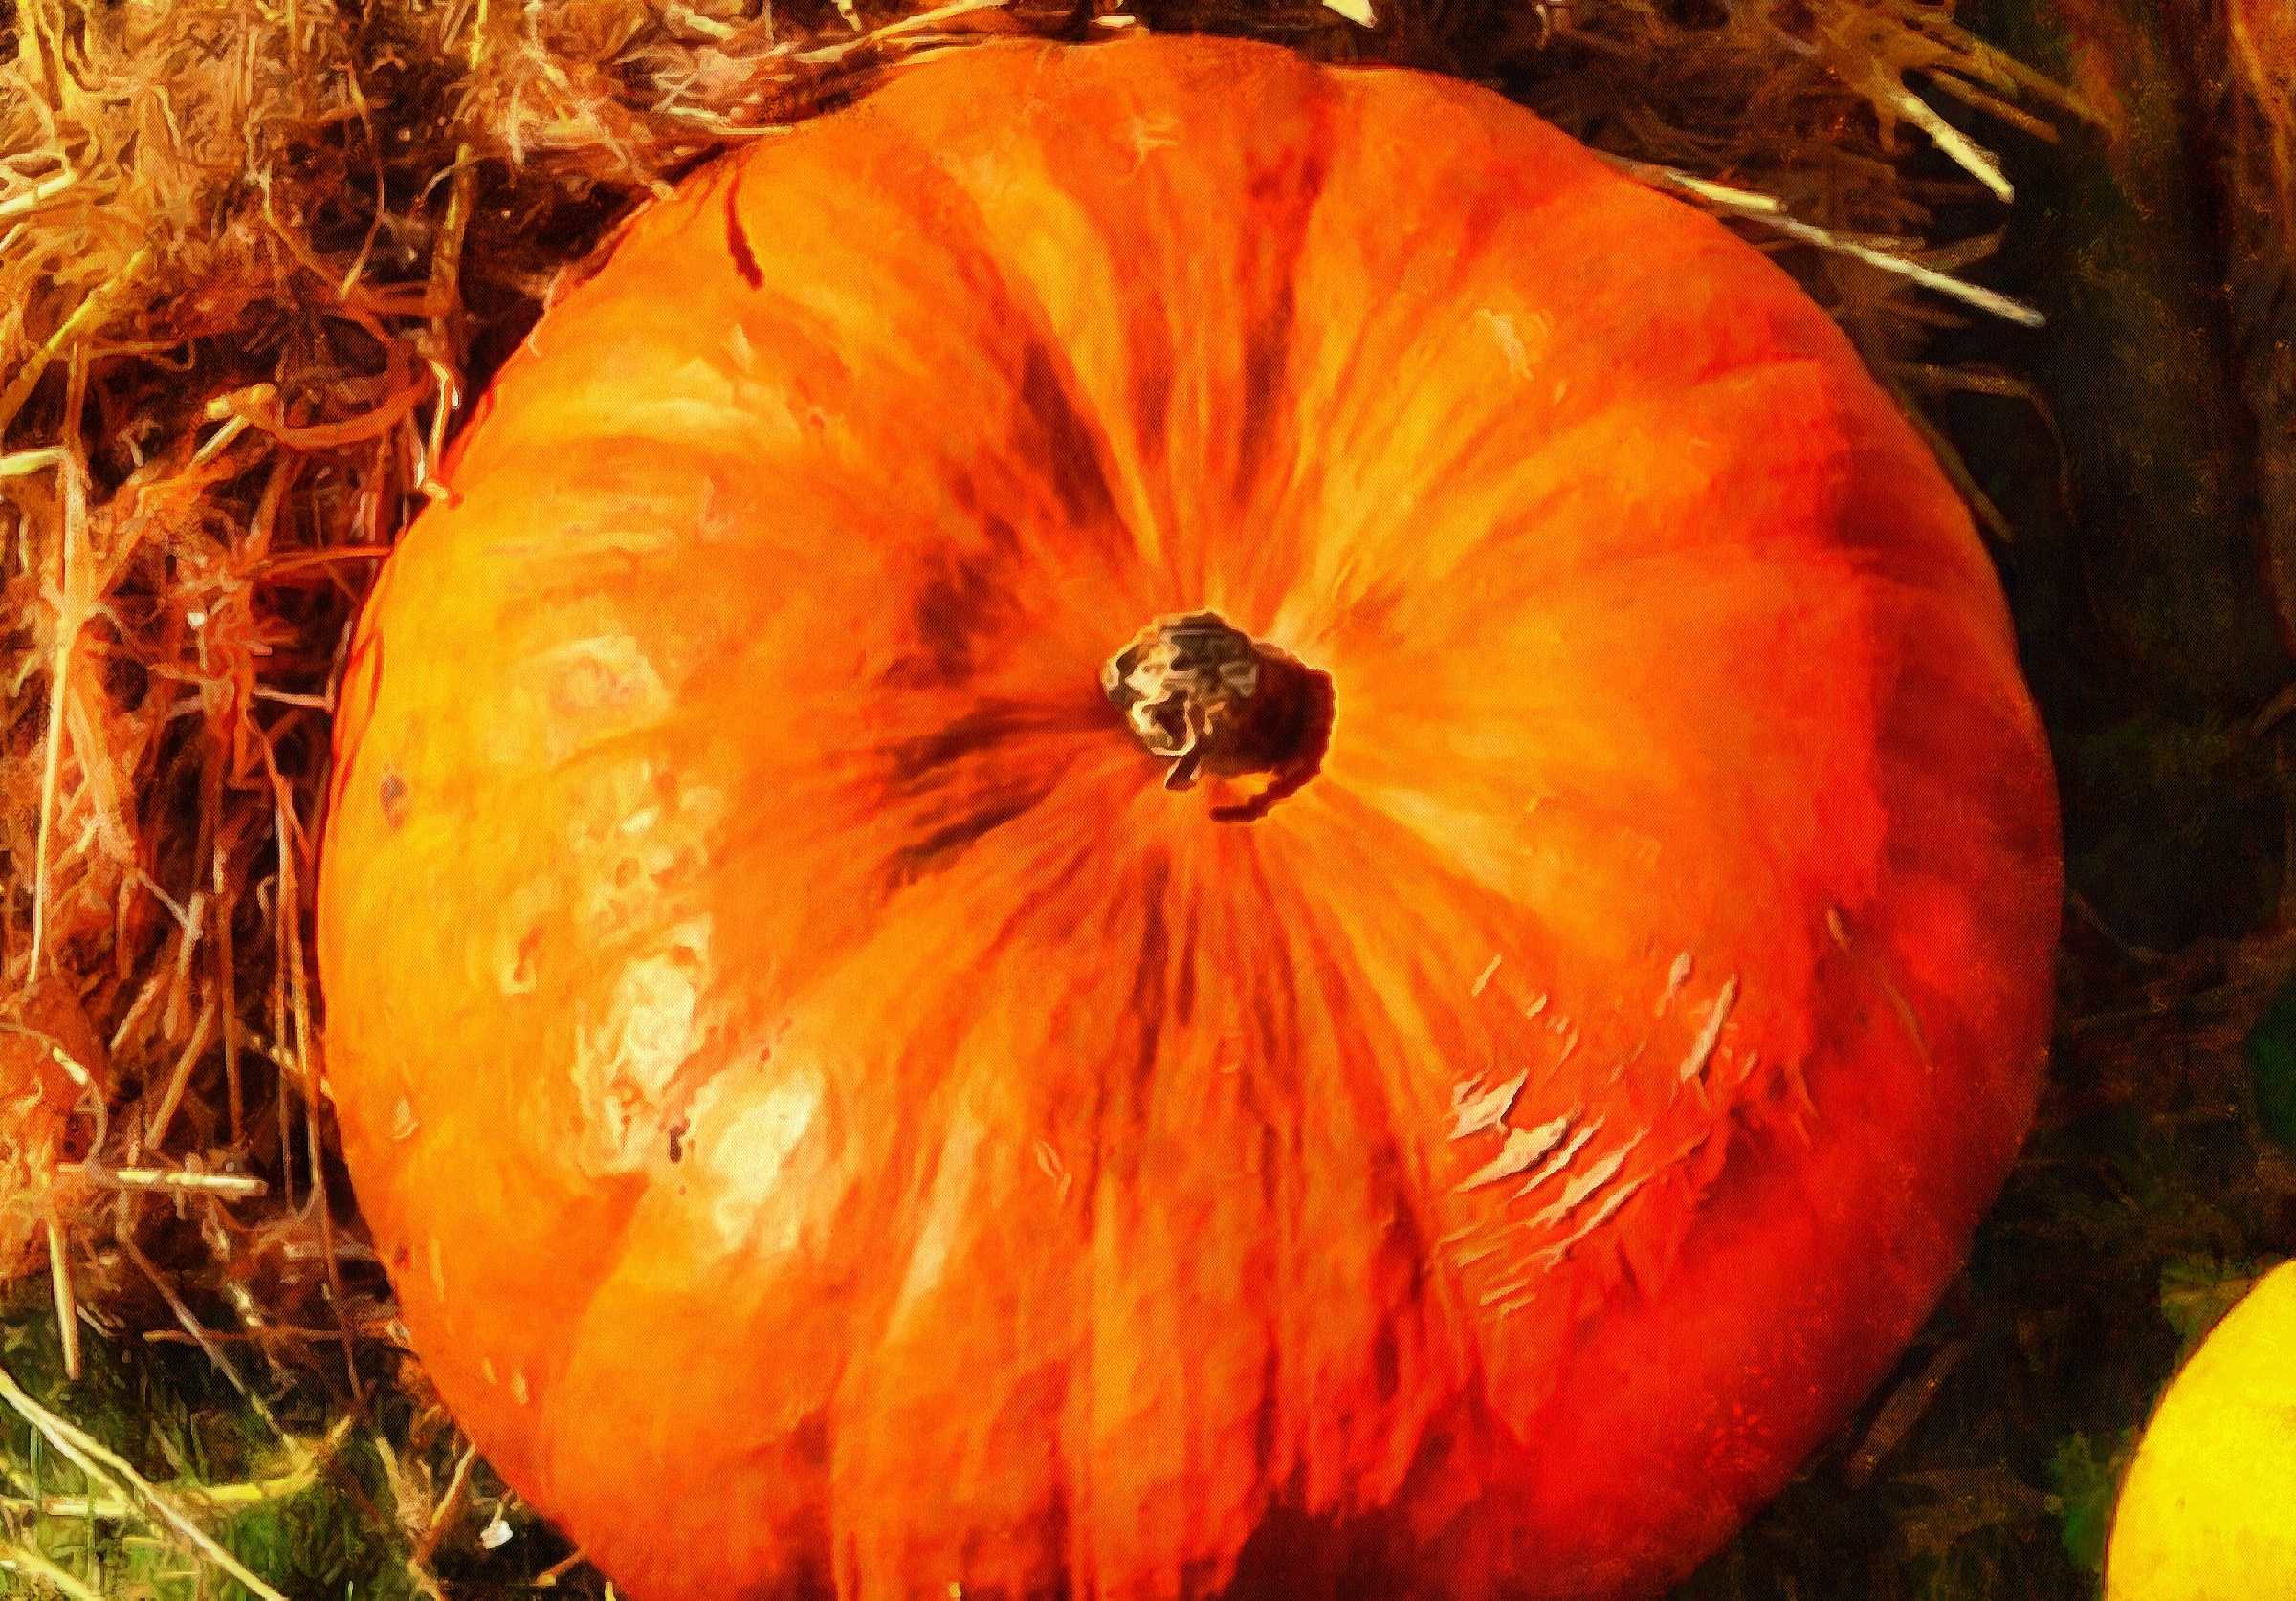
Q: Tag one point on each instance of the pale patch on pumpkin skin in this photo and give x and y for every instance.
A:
(1506, 331)
(636, 831)
(750, 1159)
(625, 1067)
(739, 348)
(592, 689)
(1147, 135)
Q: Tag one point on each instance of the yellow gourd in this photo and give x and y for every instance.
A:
(2208, 1511)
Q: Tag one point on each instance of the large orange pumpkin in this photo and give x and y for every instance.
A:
(1157, 823)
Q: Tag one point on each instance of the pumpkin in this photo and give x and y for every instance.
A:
(1154, 823)
(2203, 1513)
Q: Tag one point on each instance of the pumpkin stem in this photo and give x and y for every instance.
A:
(1215, 700)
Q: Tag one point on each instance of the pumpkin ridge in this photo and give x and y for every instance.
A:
(1379, 1101)
(1270, 346)
(1546, 485)
(1064, 436)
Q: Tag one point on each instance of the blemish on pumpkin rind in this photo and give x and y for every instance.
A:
(392, 793)
(737, 241)
(916, 766)
(517, 976)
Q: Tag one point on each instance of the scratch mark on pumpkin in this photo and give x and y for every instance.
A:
(437, 1264)
(1150, 134)
(1049, 1164)
(403, 1124)
(1561, 1160)
(1539, 1005)
(1508, 336)
(1523, 1146)
(1518, 1303)
(1577, 1190)
(1481, 1252)
(1553, 1254)
(518, 1390)
(1502, 1292)
(1483, 979)
(1882, 975)
(1474, 1115)
(1620, 1068)
(1677, 976)
(1702, 1048)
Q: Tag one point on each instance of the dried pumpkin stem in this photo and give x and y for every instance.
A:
(1211, 698)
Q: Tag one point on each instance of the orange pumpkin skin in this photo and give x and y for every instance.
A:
(839, 1124)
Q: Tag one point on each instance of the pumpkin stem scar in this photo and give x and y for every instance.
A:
(1213, 699)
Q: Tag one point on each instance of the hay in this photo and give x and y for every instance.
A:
(254, 257)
